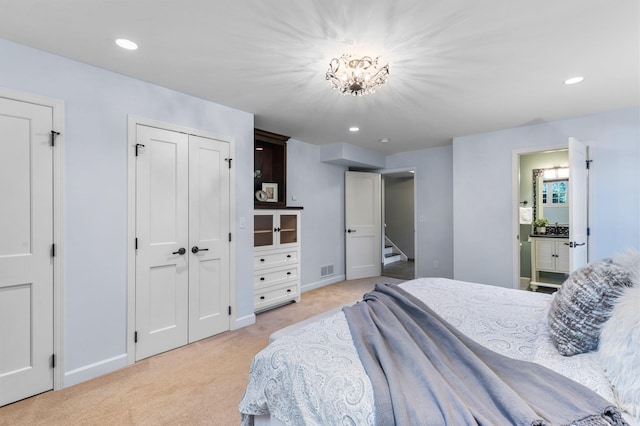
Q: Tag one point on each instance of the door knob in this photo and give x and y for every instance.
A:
(195, 249)
(180, 251)
(351, 230)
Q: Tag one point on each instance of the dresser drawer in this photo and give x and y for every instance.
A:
(269, 260)
(275, 295)
(267, 277)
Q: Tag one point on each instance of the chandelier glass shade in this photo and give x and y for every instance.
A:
(356, 76)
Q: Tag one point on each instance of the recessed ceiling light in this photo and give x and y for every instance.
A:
(126, 44)
(354, 129)
(574, 80)
(384, 140)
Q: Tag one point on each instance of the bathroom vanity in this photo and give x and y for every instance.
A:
(549, 260)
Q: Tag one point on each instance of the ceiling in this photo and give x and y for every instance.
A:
(457, 67)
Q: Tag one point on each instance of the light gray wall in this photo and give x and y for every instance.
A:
(398, 213)
(483, 204)
(433, 182)
(97, 103)
(319, 188)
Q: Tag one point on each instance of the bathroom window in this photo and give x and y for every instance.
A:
(554, 192)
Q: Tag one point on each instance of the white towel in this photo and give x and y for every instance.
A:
(526, 215)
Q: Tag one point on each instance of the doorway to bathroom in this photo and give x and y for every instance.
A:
(551, 221)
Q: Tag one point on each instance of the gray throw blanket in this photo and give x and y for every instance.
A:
(424, 371)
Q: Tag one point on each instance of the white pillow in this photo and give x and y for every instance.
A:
(630, 260)
(619, 350)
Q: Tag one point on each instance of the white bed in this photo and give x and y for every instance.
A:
(311, 374)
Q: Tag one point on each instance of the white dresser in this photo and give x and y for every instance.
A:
(276, 262)
(549, 254)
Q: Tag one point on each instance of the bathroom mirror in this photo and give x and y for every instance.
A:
(551, 195)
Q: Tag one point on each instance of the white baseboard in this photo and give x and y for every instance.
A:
(94, 370)
(244, 321)
(322, 283)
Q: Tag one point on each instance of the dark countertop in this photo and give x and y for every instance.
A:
(549, 236)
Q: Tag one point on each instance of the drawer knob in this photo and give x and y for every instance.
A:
(261, 297)
(261, 278)
(288, 290)
(289, 256)
(261, 260)
(288, 273)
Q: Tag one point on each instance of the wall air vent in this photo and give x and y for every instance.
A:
(327, 270)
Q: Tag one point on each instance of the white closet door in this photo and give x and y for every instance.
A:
(208, 237)
(26, 238)
(363, 222)
(162, 274)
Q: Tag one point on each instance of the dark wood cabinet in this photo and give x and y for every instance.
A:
(270, 169)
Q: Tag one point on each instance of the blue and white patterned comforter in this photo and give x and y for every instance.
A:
(313, 375)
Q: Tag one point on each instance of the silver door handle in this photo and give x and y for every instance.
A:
(573, 244)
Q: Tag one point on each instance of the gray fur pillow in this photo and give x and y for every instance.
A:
(583, 303)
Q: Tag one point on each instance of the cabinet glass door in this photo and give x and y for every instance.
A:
(288, 228)
(263, 230)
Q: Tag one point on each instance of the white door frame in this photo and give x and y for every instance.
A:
(57, 106)
(132, 122)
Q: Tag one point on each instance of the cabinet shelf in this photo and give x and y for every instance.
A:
(263, 231)
(270, 166)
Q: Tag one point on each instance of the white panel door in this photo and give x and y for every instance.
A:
(26, 238)
(208, 237)
(162, 273)
(363, 226)
(577, 204)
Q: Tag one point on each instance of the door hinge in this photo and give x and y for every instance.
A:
(229, 236)
(136, 244)
(135, 337)
(53, 250)
(589, 164)
(138, 146)
(229, 310)
(53, 137)
(228, 160)
(53, 360)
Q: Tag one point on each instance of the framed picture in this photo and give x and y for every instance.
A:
(272, 192)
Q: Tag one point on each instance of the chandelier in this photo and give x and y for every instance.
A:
(357, 77)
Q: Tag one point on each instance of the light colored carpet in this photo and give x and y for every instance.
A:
(198, 384)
